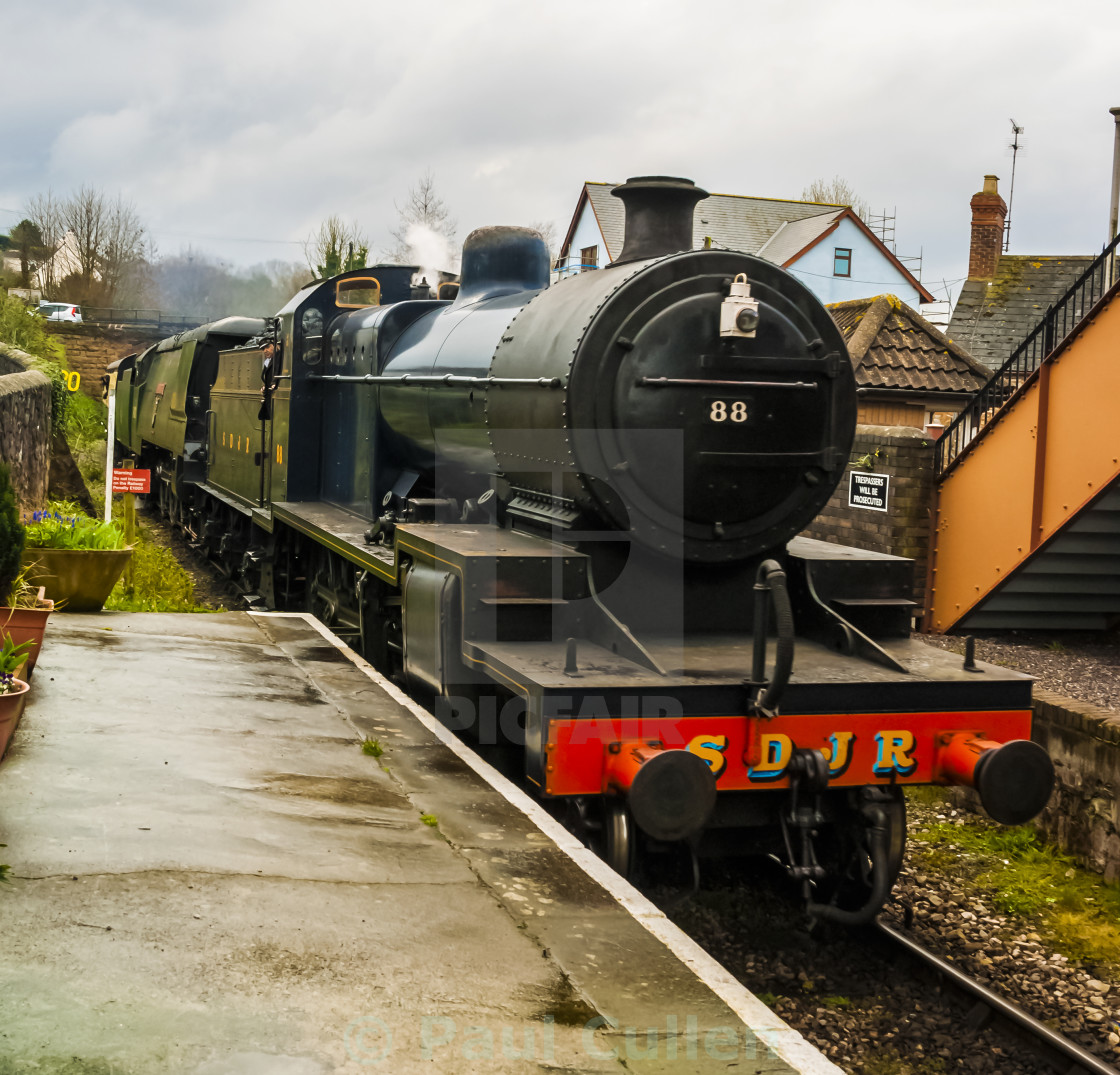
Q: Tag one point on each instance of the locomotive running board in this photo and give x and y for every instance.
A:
(340, 530)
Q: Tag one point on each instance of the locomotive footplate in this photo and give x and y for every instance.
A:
(873, 724)
(340, 530)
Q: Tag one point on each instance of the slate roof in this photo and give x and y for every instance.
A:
(776, 229)
(894, 348)
(793, 236)
(992, 317)
(731, 220)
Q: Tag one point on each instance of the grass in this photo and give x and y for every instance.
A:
(159, 582)
(1077, 910)
(430, 820)
(70, 530)
(86, 429)
(372, 748)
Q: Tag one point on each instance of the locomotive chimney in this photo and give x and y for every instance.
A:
(659, 210)
(500, 261)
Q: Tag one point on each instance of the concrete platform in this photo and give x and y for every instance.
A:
(210, 877)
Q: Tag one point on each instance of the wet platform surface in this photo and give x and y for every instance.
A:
(211, 877)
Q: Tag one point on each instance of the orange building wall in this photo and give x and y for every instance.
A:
(985, 505)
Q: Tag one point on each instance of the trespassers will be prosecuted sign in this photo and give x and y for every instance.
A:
(868, 490)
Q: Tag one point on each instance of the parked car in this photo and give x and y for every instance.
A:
(60, 311)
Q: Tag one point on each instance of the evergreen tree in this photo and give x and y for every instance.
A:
(336, 247)
(11, 534)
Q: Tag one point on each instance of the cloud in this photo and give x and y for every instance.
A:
(226, 123)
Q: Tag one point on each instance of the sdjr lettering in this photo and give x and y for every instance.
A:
(711, 748)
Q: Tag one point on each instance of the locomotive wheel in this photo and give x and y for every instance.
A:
(618, 838)
(846, 851)
(605, 825)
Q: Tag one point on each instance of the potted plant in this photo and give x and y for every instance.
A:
(24, 618)
(13, 690)
(78, 559)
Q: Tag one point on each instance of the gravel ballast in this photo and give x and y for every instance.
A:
(1080, 665)
(869, 1014)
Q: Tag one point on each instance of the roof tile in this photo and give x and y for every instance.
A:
(992, 317)
(893, 347)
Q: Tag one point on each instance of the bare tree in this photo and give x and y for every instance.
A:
(423, 209)
(44, 211)
(99, 243)
(336, 247)
(121, 258)
(547, 228)
(85, 215)
(836, 191)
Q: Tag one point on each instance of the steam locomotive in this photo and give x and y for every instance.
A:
(569, 515)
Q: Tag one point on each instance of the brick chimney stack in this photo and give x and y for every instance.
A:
(989, 211)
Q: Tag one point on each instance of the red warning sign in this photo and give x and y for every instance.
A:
(132, 481)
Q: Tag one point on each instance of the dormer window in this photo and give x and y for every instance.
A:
(842, 261)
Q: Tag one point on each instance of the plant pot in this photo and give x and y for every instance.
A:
(27, 624)
(77, 580)
(11, 708)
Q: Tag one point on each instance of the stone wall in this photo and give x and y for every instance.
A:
(904, 454)
(90, 348)
(25, 431)
(1083, 816)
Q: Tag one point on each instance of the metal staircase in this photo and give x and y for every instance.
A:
(1027, 519)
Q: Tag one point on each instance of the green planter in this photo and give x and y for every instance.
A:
(76, 580)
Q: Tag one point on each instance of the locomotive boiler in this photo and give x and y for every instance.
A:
(569, 516)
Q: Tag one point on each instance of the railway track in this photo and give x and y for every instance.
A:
(987, 1007)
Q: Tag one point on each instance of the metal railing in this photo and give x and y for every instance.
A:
(572, 267)
(1057, 323)
(159, 319)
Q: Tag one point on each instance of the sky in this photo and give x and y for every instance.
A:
(236, 126)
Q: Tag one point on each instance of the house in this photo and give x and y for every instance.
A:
(827, 246)
(908, 373)
(64, 262)
(1005, 295)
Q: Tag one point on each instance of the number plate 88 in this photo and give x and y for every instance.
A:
(722, 410)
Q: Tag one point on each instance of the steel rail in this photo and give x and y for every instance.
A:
(1061, 1053)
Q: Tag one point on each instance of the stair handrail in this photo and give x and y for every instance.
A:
(1060, 319)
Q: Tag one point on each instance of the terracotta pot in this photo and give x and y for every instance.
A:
(11, 708)
(27, 624)
(77, 580)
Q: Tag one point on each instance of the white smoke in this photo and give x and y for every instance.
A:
(432, 251)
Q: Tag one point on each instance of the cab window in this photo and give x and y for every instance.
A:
(312, 325)
(357, 292)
